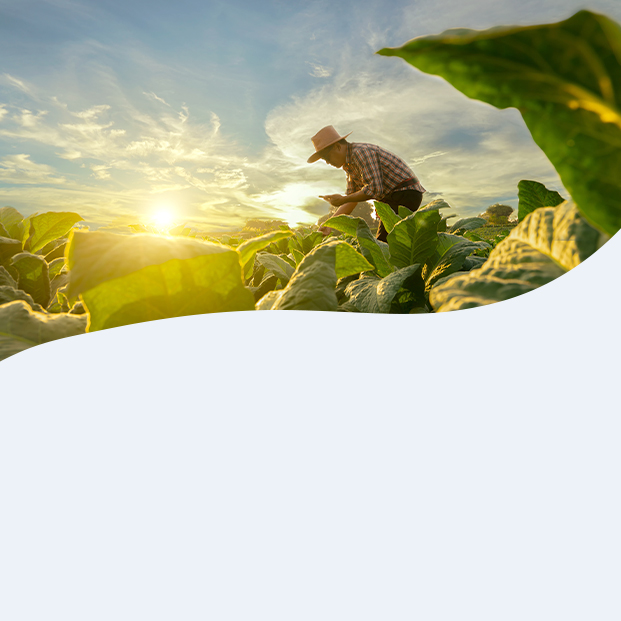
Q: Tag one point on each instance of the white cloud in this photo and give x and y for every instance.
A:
(100, 171)
(16, 83)
(154, 97)
(20, 169)
(28, 119)
(469, 152)
(319, 71)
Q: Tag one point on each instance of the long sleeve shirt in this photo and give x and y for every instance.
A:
(376, 171)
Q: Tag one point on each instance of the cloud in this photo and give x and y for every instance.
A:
(319, 71)
(469, 152)
(101, 171)
(154, 97)
(20, 169)
(17, 84)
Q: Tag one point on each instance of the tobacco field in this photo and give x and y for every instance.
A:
(58, 279)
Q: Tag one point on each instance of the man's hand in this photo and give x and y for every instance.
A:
(325, 230)
(336, 200)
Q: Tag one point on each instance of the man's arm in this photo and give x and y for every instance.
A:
(340, 200)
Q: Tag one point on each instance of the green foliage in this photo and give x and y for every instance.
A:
(371, 294)
(466, 224)
(312, 286)
(21, 327)
(129, 279)
(533, 195)
(369, 246)
(12, 223)
(47, 227)
(498, 213)
(33, 276)
(248, 250)
(546, 244)
(405, 269)
(564, 78)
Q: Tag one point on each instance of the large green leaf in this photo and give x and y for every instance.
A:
(249, 249)
(130, 279)
(369, 246)
(348, 260)
(312, 286)
(451, 253)
(276, 266)
(388, 217)
(209, 283)
(564, 78)
(11, 220)
(8, 248)
(98, 256)
(21, 328)
(414, 239)
(533, 195)
(34, 276)
(370, 294)
(6, 280)
(10, 294)
(49, 226)
(546, 244)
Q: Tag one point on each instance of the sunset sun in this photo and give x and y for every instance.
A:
(163, 218)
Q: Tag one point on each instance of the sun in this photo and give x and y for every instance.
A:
(163, 218)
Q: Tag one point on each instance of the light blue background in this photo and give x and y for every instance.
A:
(286, 466)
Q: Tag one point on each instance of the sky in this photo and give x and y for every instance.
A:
(204, 109)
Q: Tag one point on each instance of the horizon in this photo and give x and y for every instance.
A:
(120, 112)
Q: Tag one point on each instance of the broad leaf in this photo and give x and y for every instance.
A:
(370, 294)
(34, 276)
(549, 242)
(6, 280)
(369, 246)
(209, 283)
(297, 255)
(249, 249)
(21, 328)
(414, 239)
(388, 217)
(46, 227)
(8, 248)
(451, 253)
(533, 195)
(10, 294)
(55, 267)
(312, 286)
(98, 256)
(11, 220)
(564, 78)
(435, 205)
(276, 266)
(56, 249)
(130, 279)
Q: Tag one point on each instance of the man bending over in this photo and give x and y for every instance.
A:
(372, 173)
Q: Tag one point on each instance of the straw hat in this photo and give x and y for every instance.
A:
(323, 139)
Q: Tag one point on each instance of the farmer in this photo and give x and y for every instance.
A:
(372, 173)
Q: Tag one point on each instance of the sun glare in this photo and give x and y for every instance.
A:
(163, 218)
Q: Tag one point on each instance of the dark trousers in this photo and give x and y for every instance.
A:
(407, 198)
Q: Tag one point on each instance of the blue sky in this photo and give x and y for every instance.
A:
(119, 109)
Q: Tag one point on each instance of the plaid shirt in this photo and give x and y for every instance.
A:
(376, 171)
